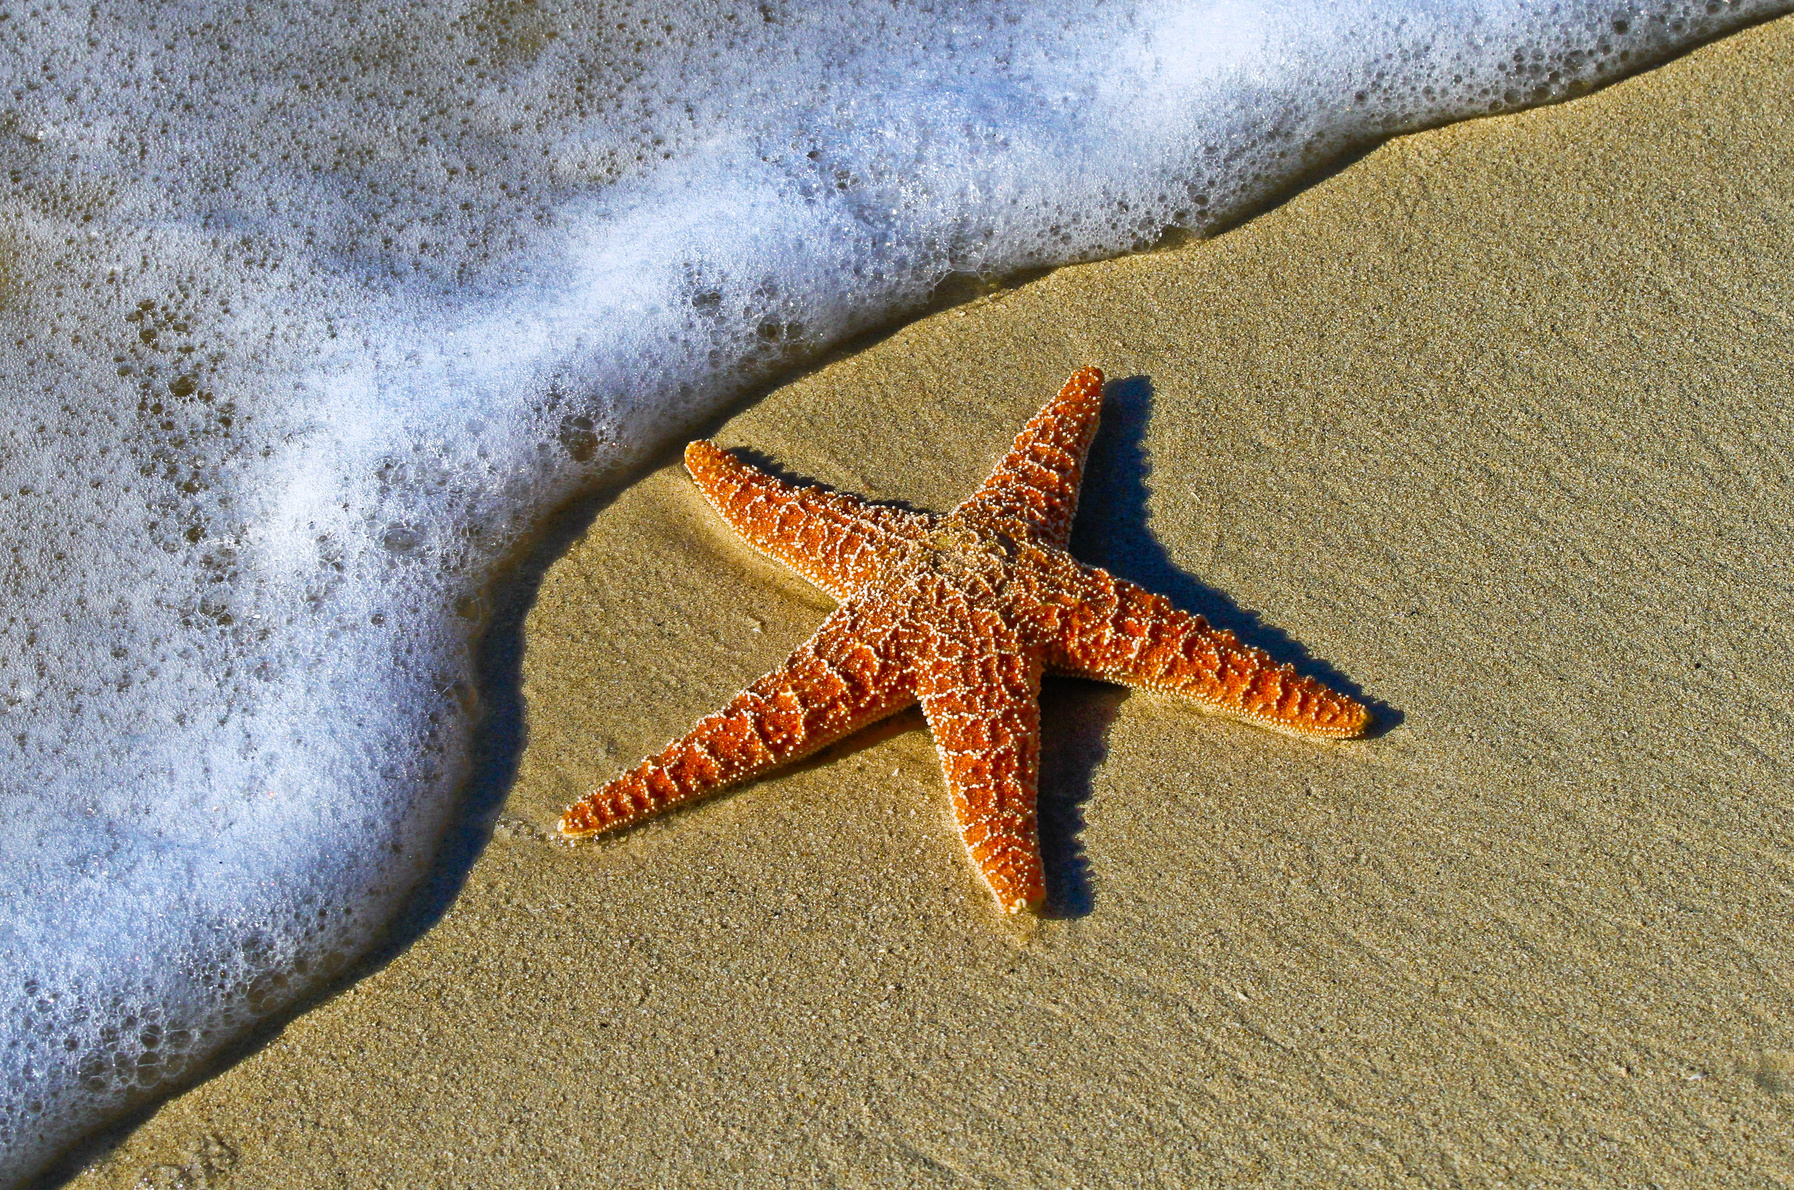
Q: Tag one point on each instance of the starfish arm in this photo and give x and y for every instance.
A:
(834, 539)
(839, 680)
(981, 694)
(1036, 484)
(1118, 632)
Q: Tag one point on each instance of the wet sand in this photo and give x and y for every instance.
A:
(1491, 428)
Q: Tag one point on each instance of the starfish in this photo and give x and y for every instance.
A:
(961, 613)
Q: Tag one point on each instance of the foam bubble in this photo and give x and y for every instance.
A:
(308, 311)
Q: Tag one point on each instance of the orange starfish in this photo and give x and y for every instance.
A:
(960, 613)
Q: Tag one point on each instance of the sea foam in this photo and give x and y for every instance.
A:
(311, 310)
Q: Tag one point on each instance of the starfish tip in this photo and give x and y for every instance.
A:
(577, 821)
(701, 454)
(1022, 905)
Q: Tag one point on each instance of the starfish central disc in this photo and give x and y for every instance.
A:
(961, 613)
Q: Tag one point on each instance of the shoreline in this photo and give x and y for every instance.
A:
(1444, 923)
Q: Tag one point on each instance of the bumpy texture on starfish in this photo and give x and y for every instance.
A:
(960, 613)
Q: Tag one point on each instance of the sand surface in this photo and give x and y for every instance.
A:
(1492, 428)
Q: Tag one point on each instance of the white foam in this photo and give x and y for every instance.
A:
(308, 312)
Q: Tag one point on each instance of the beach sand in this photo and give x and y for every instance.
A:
(1491, 427)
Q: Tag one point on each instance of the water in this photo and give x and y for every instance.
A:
(310, 311)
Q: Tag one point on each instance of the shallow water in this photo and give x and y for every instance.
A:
(311, 311)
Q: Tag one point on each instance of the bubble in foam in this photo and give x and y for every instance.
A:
(309, 311)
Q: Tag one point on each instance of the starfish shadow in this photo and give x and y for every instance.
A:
(1075, 717)
(1112, 531)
